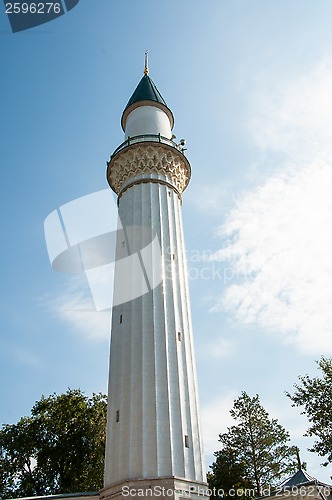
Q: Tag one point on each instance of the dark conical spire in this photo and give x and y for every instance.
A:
(146, 90)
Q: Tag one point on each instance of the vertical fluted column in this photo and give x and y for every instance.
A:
(153, 429)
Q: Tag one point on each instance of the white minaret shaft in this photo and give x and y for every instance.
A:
(153, 429)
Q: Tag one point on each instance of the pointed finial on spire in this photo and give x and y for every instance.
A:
(299, 464)
(146, 68)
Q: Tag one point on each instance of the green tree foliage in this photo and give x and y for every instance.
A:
(228, 476)
(254, 453)
(58, 449)
(315, 395)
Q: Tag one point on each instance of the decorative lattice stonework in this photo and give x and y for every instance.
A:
(159, 160)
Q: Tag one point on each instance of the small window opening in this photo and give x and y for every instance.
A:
(169, 193)
(120, 321)
(186, 441)
(117, 415)
(173, 255)
(179, 336)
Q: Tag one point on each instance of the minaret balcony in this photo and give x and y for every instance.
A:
(148, 138)
(148, 158)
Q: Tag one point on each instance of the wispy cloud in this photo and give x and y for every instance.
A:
(289, 418)
(215, 420)
(220, 348)
(209, 198)
(20, 354)
(293, 115)
(75, 306)
(277, 239)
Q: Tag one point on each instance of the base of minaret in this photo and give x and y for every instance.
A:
(171, 488)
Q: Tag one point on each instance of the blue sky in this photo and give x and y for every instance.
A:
(249, 83)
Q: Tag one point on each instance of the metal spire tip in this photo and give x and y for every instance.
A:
(146, 68)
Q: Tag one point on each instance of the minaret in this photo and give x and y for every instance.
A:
(154, 443)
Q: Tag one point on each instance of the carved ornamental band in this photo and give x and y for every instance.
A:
(147, 158)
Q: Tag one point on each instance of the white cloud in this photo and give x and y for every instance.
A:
(75, 306)
(289, 418)
(209, 198)
(278, 238)
(293, 116)
(25, 357)
(215, 419)
(220, 348)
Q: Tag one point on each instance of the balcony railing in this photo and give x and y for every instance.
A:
(147, 138)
